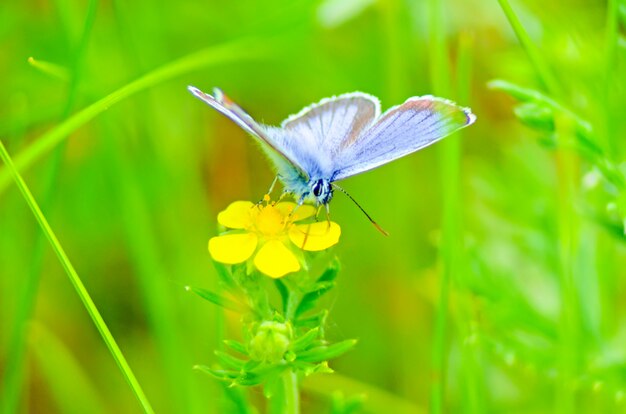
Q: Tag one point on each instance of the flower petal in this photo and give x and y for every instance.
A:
(302, 212)
(237, 215)
(276, 260)
(315, 236)
(232, 248)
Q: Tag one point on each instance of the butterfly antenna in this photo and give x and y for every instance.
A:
(380, 229)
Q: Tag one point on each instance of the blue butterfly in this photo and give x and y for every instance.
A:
(343, 136)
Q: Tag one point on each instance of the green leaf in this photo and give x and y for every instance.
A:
(317, 319)
(260, 376)
(224, 275)
(520, 93)
(310, 299)
(217, 299)
(305, 340)
(536, 115)
(331, 272)
(251, 365)
(324, 353)
(230, 361)
(323, 284)
(236, 346)
(221, 374)
(246, 378)
(284, 293)
(308, 368)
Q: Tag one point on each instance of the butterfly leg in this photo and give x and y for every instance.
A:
(298, 204)
(267, 196)
(317, 213)
(283, 195)
(269, 192)
(327, 216)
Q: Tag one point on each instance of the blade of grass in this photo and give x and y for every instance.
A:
(103, 329)
(240, 49)
(567, 165)
(11, 389)
(605, 251)
(540, 65)
(610, 53)
(151, 264)
(51, 69)
(567, 230)
(471, 369)
(141, 239)
(449, 153)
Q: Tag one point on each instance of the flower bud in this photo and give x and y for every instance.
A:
(270, 342)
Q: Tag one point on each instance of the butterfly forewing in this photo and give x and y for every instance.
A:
(284, 160)
(400, 131)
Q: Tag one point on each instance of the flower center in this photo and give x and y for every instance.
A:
(270, 221)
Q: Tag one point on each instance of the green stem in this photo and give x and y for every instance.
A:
(77, 283)
(471, 370)
(11, 391)
(546, 76)
(449, 153)
(291, 392)
(569, 336)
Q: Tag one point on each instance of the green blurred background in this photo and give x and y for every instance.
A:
(501, 288)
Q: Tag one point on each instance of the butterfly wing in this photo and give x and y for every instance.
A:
(401, 130)
(273, 144)
(321, 131)
(334, 122)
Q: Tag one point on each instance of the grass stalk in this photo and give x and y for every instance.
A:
(471, 370)
(569, 335)
(11, 390)
(606, 129)
(240, 49)
(51, 69)
(146, 257)
(567, 237)
(449, 153)
(534, 55)
(82, 292)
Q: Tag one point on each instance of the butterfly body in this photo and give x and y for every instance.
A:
(342, 136)
(313, 187)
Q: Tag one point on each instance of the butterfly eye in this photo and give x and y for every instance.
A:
(317, 188)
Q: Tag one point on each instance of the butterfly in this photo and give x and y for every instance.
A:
(343, 136)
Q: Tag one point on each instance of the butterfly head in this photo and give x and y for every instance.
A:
(321, 190)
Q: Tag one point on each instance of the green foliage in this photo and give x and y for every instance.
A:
(286, 343)
(500, 288)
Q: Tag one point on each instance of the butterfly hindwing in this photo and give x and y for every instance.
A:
(401, 130)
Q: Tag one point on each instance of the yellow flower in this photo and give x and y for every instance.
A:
(270, 233)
